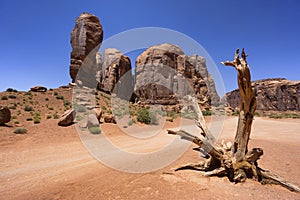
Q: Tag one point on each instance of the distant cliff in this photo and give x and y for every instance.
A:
(275, 94)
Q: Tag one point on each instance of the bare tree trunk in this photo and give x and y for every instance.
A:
(235, 162)
(247, 105)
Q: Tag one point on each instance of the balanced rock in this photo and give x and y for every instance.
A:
(5, 115)
(277, 94)
(38, 89)
(86, 38)
(115, 65)
(164, 74)
(92, 121)
(67, 118)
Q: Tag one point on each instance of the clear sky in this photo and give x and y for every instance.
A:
(35, 35)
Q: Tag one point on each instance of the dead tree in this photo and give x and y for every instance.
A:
(233, 161)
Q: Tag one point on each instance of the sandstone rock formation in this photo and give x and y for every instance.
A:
(276, 94)
(38, 89)
(115, 65)
(86, 38)
(5, 115)
(164, 73)
(67, 118)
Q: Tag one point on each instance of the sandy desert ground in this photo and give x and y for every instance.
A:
(50, 162)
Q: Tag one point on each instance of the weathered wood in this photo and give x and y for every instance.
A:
(247, 105)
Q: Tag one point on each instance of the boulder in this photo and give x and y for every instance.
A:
(67, 118)
(275, 94)
(92, 121)
(109, 119)
(86, 38)
(5, 115)
(38, 89)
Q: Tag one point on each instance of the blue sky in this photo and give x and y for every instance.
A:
(35, 35)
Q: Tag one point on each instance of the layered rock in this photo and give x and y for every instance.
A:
(86, 38)
(164, 74)
(271, 95)
(115, 65)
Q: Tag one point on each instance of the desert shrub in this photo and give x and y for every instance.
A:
(59, 97)
(46, 99)
(13, 117)
(37, 118)
(95, 130)
(20, 131)
(29, 119)
(55, 93)
(48, 116)
(79, 117)
(67, 103)
(146, 117)
(207, 112)
(51, 89)
(11, 96)
(11, 90)
(55, 116)
(50, 108)
(4, 98)
(28, 108)
(131, 122)
(170, 119)
(79, 108)
(13, 106)
(19, 112)
(16, 122)
(236, 113)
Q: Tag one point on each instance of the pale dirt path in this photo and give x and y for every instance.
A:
(53, 164)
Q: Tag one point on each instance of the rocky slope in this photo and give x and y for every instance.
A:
(164, 74)
(277, 94)
(86, 38)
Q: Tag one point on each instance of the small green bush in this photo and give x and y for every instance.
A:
(79, 108)
(131, 122)
(28, 108)
(4, 98)
(50, 108)
(146, 117)
(55, 116)
(29, 119)
(207, 112)
(67, 103)
(11, 96)
(55, 93)
(20, 131)
(59, 97)
(16, 122)
(48, 117)
(95, 130)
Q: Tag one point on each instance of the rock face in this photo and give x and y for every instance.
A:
(5, 115)
(115, 65)
(86, 38)
(163, 73)
(38, 89)
(271, 95)
(67, 118)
